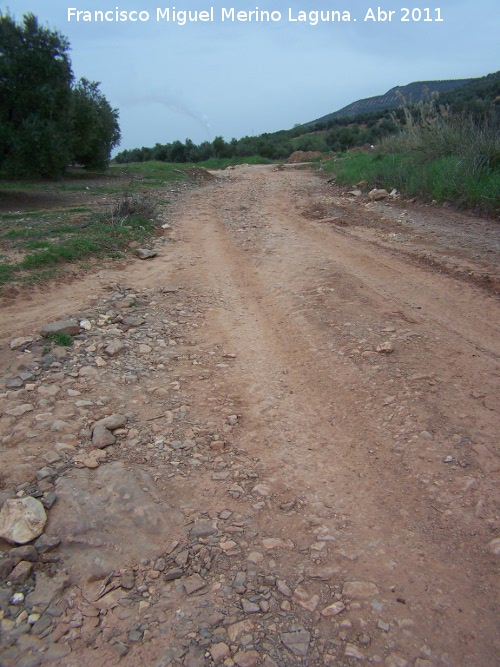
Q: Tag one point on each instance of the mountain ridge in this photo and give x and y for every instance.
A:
(414, 92)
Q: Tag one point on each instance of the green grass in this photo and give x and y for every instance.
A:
(222, 163)
(61, 339)
(154, 172)
(50, 239)
(48, 244)
(452, 163)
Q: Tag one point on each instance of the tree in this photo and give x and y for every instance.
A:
(35, 92)
(95, 126)
(45, 123)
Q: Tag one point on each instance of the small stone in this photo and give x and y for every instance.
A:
(19, 410)
(219, 652)
(352, 651)
(246, 658)
(494, 546)
(56, 652)
(310, 604)
(21, 572)
(194, 583)
(19, 342)
(385, 627)
(220, 476)
(115, 348)
(47, 589)
(102, 437)
(359, 590)
(237, 629)
(283, 588)
(249, 607)
(203, 529)
(112, 422)
(70, 327)
(14, 383)
(145, 253)
(385, 348)
(6, 567)
(46, 543)
(255, 557)
(127, 580)
(262, 489)
(297, 641)
(378, 194)
(45, 473)
(333, 609)
(42, 624)
(48, 500)
(396, 660)
(174, 573)
(26, 552)
(274, 543)
(52, 457)
(22, 520)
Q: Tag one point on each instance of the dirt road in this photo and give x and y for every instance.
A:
(313, 389)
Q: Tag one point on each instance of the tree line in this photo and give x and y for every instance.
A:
(47, 120)
(480, 99)
(333, 136)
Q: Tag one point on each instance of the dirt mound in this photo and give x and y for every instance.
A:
(303, 156)
(199, 174)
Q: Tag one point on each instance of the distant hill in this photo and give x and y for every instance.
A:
(412, 92)
(363, 122)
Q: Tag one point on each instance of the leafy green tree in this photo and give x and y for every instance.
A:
(45, 123)
(95, 126)
(35, 92)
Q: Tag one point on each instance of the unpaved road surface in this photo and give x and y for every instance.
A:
(306, 467)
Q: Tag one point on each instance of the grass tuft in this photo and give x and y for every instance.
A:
(453, 160)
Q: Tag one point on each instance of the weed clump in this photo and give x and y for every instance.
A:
(438, 156)
(61, 339)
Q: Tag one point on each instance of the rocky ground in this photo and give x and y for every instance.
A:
(275, 443)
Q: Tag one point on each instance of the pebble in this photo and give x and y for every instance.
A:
(297, 641)
(219, 652)
(359, 590)
(333, 609)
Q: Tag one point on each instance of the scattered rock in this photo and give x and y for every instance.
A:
(22, 520)
(21, 572)
(494, 546)
(19, 410)
(47, 590)
(70, 327)
(115, 348)
(385, 348)
(15, 343)
(219, 652)
(101, 437)
(333, 609)
(194, 583)
(352, 651)
(378, 194)
(359, 590)
(297, 640)
(246, 658)
(145, 253)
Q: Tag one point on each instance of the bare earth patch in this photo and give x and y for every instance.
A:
(305, 469)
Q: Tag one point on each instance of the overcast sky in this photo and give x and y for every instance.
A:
(233, 79)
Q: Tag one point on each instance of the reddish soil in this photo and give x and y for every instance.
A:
(392, 456)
